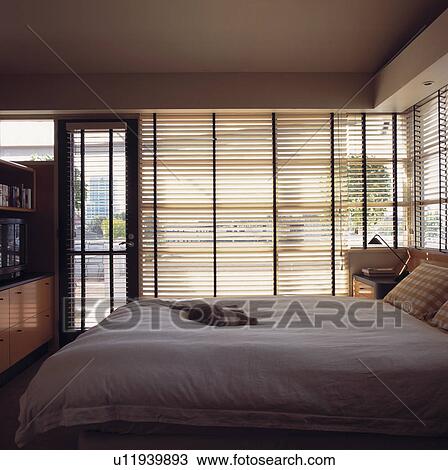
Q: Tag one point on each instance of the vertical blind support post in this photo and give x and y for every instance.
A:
(83, 232)
(215, 268)
(154, 130)
(443, 193)
(395, 179)
(364, 180)
(274, 200)
(111, 218)
(333, 206)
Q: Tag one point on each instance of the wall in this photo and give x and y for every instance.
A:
(67, 92)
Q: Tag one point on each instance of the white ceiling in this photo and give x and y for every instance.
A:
(148, 36)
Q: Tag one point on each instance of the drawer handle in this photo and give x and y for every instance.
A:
(47, 283)
(19, 292)
(19, 331)
(48, 316)
(1, 340)
(1, 298)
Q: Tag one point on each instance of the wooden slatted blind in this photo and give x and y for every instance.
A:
(428, 175)
(443, 157)
(372, 168)
(147, 195)
(95, 208)
(430, 163)
(404, 221)
(380, 176)
(244, 198)
(263, 203)
(304, 204)
(351, 181)
(183, 174)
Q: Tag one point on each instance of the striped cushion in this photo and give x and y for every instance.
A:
(422, 293)
(441, 318)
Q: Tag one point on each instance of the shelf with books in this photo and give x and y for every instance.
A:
(17, 187)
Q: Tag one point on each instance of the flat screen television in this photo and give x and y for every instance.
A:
(13, 247)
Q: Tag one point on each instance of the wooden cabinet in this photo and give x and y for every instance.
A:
(4, 310)
(4, 350)
(29, 334)
(45, 323)
(26, 319)
(44, 293)
(22, 302)
(372, 287)
(362, 290)
(23, 338)
(30, 299)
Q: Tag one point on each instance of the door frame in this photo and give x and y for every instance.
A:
(132, 219)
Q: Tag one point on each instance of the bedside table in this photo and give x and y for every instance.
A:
(371, 287)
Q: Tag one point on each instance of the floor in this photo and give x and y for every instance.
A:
(10, 394)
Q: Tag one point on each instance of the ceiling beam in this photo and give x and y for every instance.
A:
(63, 92)
(400, 83)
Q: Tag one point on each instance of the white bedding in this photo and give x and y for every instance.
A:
(383, 380)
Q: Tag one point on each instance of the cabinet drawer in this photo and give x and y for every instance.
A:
(4, 310)
(24, 338)
(4, 350)
(28, 335)
(22, 302)
(44, 294)
(45, 326)
(363, 290)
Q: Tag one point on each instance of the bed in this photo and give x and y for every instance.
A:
(315, 364)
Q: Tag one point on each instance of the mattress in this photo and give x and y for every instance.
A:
(311, 363)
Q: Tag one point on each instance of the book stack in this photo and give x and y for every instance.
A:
(4, 195)
(15, 196)
(378, 272)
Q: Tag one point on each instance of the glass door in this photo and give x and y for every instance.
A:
(98, 246)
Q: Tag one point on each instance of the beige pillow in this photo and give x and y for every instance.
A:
(441, 318)
(422, 293)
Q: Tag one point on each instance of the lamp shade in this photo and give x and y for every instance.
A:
(375, 241)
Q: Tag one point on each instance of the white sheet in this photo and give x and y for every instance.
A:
(384, 380)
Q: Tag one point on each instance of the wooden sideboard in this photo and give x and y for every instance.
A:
(26, 318)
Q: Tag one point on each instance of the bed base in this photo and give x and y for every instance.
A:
(255, 439)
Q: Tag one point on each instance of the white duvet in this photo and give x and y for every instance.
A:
(364, 379)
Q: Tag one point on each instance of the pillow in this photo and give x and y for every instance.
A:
(441, 318)
(422, 293)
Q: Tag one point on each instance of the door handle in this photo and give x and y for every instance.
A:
(128, 244)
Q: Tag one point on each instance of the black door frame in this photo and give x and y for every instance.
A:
(132, 222)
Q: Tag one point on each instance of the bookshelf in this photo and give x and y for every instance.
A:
(15, 174)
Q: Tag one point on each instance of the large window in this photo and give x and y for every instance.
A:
(97, 214)
(26, 140)
(372, 171)
(263, 203)
(430, 163)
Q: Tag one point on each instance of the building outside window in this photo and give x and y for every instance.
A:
(26, 140)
